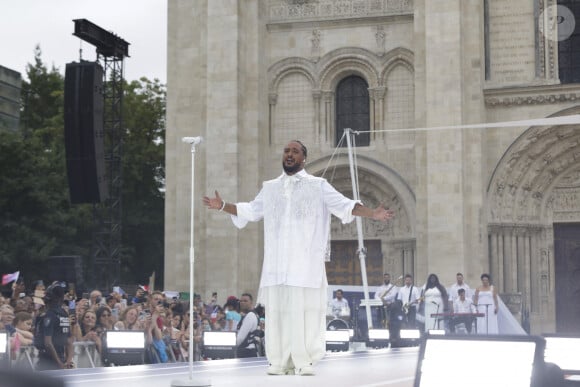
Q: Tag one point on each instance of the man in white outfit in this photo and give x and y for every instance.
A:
(296, 209)
(339, 305)
(459, 284)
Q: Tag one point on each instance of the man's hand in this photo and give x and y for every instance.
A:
(383, 214)
(213, 203)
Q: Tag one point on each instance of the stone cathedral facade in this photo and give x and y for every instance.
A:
(250, 75)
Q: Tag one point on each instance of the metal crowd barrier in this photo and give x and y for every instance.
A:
(86, 354)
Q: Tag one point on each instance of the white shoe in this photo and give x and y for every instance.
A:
(306, 371)
(272, 370)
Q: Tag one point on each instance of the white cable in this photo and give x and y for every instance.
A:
(551, 121)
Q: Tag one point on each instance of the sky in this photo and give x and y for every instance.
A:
(49, 23)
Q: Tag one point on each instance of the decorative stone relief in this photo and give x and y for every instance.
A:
(534, 164)
(377, 93)
(565, 204)
(514, 303)
(541, 99)
(292, 10)
(380, 37)
(376, 193)
(315, 40)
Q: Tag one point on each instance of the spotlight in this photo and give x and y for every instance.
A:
(562, 350)
(514, 361)
(337, 340)
(219, 345)
(378, 338)
(124, 347)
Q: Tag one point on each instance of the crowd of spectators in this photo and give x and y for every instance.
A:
(165, 319)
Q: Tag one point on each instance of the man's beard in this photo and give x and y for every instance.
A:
(291, 169)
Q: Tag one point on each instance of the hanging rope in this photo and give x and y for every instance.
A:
(334, 153)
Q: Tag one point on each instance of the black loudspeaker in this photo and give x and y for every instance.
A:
(84, 133)
(68, 268)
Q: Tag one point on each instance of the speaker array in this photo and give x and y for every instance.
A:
(84, 132)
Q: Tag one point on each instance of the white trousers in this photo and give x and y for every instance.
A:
(295, 325)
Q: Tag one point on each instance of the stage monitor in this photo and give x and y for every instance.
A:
(337, 340)
(562, 350)
(124, 348)
(219, 345)
(378, 338)
(480, 361)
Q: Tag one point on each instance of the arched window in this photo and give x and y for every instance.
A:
(352, 109)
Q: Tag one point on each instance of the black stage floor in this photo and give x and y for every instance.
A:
(371, 368)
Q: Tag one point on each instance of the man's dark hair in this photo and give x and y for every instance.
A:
(247, 295)
(460, 290)
(304, 150)
(260, 310)
(459, 274)
(408, 276)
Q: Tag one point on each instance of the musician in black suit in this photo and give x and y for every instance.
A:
(463, 304)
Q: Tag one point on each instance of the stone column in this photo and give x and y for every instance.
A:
(328, 96)
(317, 95)
(450, 191)
(272, 100)
(527, 285)
(185, 104)
(377, 115)
(214, 51)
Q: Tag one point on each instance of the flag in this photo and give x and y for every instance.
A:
(7, 278)
(117, 289)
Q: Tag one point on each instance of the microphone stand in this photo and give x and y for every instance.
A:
(486, 318)
(193, 141)
(436, 320)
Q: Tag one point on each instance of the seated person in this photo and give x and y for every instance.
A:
(463, 304)
(339, 305)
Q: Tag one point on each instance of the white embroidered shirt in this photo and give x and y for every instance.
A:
(296, 211)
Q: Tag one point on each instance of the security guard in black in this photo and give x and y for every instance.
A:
(55, 335)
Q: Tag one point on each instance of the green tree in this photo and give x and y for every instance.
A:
(143, 178)
(36, 217)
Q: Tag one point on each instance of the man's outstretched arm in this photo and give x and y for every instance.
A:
(380, 213)
(217, 203)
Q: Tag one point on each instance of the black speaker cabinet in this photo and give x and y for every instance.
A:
(84, 132)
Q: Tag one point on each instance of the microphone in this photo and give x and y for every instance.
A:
(192, 140)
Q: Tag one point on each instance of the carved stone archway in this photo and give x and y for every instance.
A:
(378, 185)
(534, 185)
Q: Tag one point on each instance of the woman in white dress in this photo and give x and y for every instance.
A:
(435, 299)
(486, 301)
